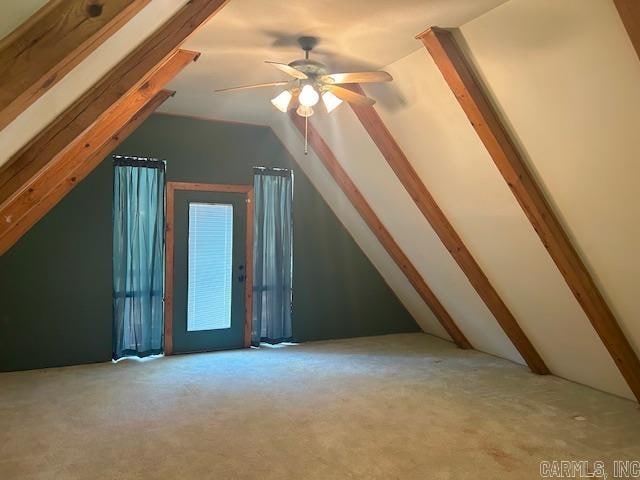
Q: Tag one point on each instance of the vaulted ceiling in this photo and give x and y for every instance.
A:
(353, 35)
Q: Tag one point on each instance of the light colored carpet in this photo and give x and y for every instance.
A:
(391, 407)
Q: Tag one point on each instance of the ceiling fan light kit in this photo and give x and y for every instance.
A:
(312, 80)
(331, 102)
(308, 96)
(304, 111)
(282, 101)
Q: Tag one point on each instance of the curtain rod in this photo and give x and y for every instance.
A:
(133, 161)
(272, 170)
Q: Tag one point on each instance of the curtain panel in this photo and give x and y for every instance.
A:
(138, 256)
(272, 256)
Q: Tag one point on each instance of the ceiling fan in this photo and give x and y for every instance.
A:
(312, 80)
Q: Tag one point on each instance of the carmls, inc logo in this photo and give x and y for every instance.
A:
(587, 469)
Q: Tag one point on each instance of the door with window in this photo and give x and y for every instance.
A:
(208, 231)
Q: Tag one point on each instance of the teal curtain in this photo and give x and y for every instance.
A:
(138, 256)
(272, 256)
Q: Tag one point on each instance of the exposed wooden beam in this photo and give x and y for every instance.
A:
(384, 237)
(458, 73)
(34, 198)
(126, 76)
(629, 11)
(74, 176)
(92, 161)
(410, 179)
(67, 128)
(36, 55)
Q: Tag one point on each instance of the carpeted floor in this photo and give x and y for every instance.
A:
(391, 407)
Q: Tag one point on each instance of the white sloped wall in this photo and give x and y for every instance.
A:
(428, 123)
(449, 158)
(370, 172)
(433, 131)
(565, 76)
(348, 215)
(567, 80)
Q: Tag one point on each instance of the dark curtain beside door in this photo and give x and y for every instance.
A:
(272, 256)
(138, 256)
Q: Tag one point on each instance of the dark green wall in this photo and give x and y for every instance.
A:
(55, 283)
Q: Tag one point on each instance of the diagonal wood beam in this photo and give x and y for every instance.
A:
(458, 73)
(384, 237)
(69, 179)
(36, 55)
(92, 161)
(409, 178)
(629, 11)
(32, 200)
(63, 136)
(126, 76)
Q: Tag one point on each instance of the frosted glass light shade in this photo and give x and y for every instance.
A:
(308, 96)
(281, 102)
(330, 101)
(304, 111)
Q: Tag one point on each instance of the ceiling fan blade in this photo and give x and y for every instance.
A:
(295, 73)
(349, 96)
(257, 85)
(357, 77)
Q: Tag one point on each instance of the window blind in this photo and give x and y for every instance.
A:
(210, 266)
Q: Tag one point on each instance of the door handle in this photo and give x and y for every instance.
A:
(242, 276)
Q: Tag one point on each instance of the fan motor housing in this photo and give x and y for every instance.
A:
(309, 67)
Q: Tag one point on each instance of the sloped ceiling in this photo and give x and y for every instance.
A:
(563, 75)
(69, 88)
(235, 44)
(353, 35)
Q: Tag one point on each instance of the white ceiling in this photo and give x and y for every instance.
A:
(354, 35)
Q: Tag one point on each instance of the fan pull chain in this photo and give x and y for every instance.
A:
(306, 143)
